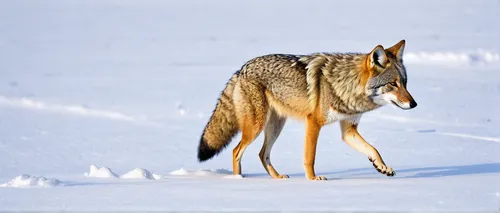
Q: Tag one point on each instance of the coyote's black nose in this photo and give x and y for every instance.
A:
(413, 104)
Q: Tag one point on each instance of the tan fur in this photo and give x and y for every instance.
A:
(314, 71)
(319, 89)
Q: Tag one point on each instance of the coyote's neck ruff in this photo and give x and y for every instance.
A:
(319, 88)
(340, 79)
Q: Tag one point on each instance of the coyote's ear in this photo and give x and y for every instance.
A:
(398, 49)
(377, 57)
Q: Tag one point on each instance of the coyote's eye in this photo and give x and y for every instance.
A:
(394, 84)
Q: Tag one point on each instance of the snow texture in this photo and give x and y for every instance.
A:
(206, 172)
(452, 58)
(131, 85)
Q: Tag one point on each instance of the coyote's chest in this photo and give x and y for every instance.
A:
(333, 115)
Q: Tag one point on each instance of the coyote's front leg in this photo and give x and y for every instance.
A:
(352, 137)
(312, 134)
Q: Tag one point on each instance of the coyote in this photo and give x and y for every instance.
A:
(319, 88)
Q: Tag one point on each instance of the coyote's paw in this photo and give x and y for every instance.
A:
(282, 177)
(317, 178)
(380, 167)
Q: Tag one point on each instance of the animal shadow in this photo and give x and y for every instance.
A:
(444, 171)
(423, 172)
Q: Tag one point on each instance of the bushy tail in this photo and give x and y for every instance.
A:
(222, 126)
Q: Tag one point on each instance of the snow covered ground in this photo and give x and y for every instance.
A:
(102, 104)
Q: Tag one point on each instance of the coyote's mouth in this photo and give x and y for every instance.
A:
(393, 102)
(404, 108)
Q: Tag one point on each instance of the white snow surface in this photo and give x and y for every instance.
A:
(224, 173)
(131, 84)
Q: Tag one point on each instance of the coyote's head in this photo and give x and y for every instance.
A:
(387, 81)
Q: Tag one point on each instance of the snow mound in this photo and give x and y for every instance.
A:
(477, 57)
(28, 181)
(139, 173)
(180, 171)
(206, 172)
(100, 172)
